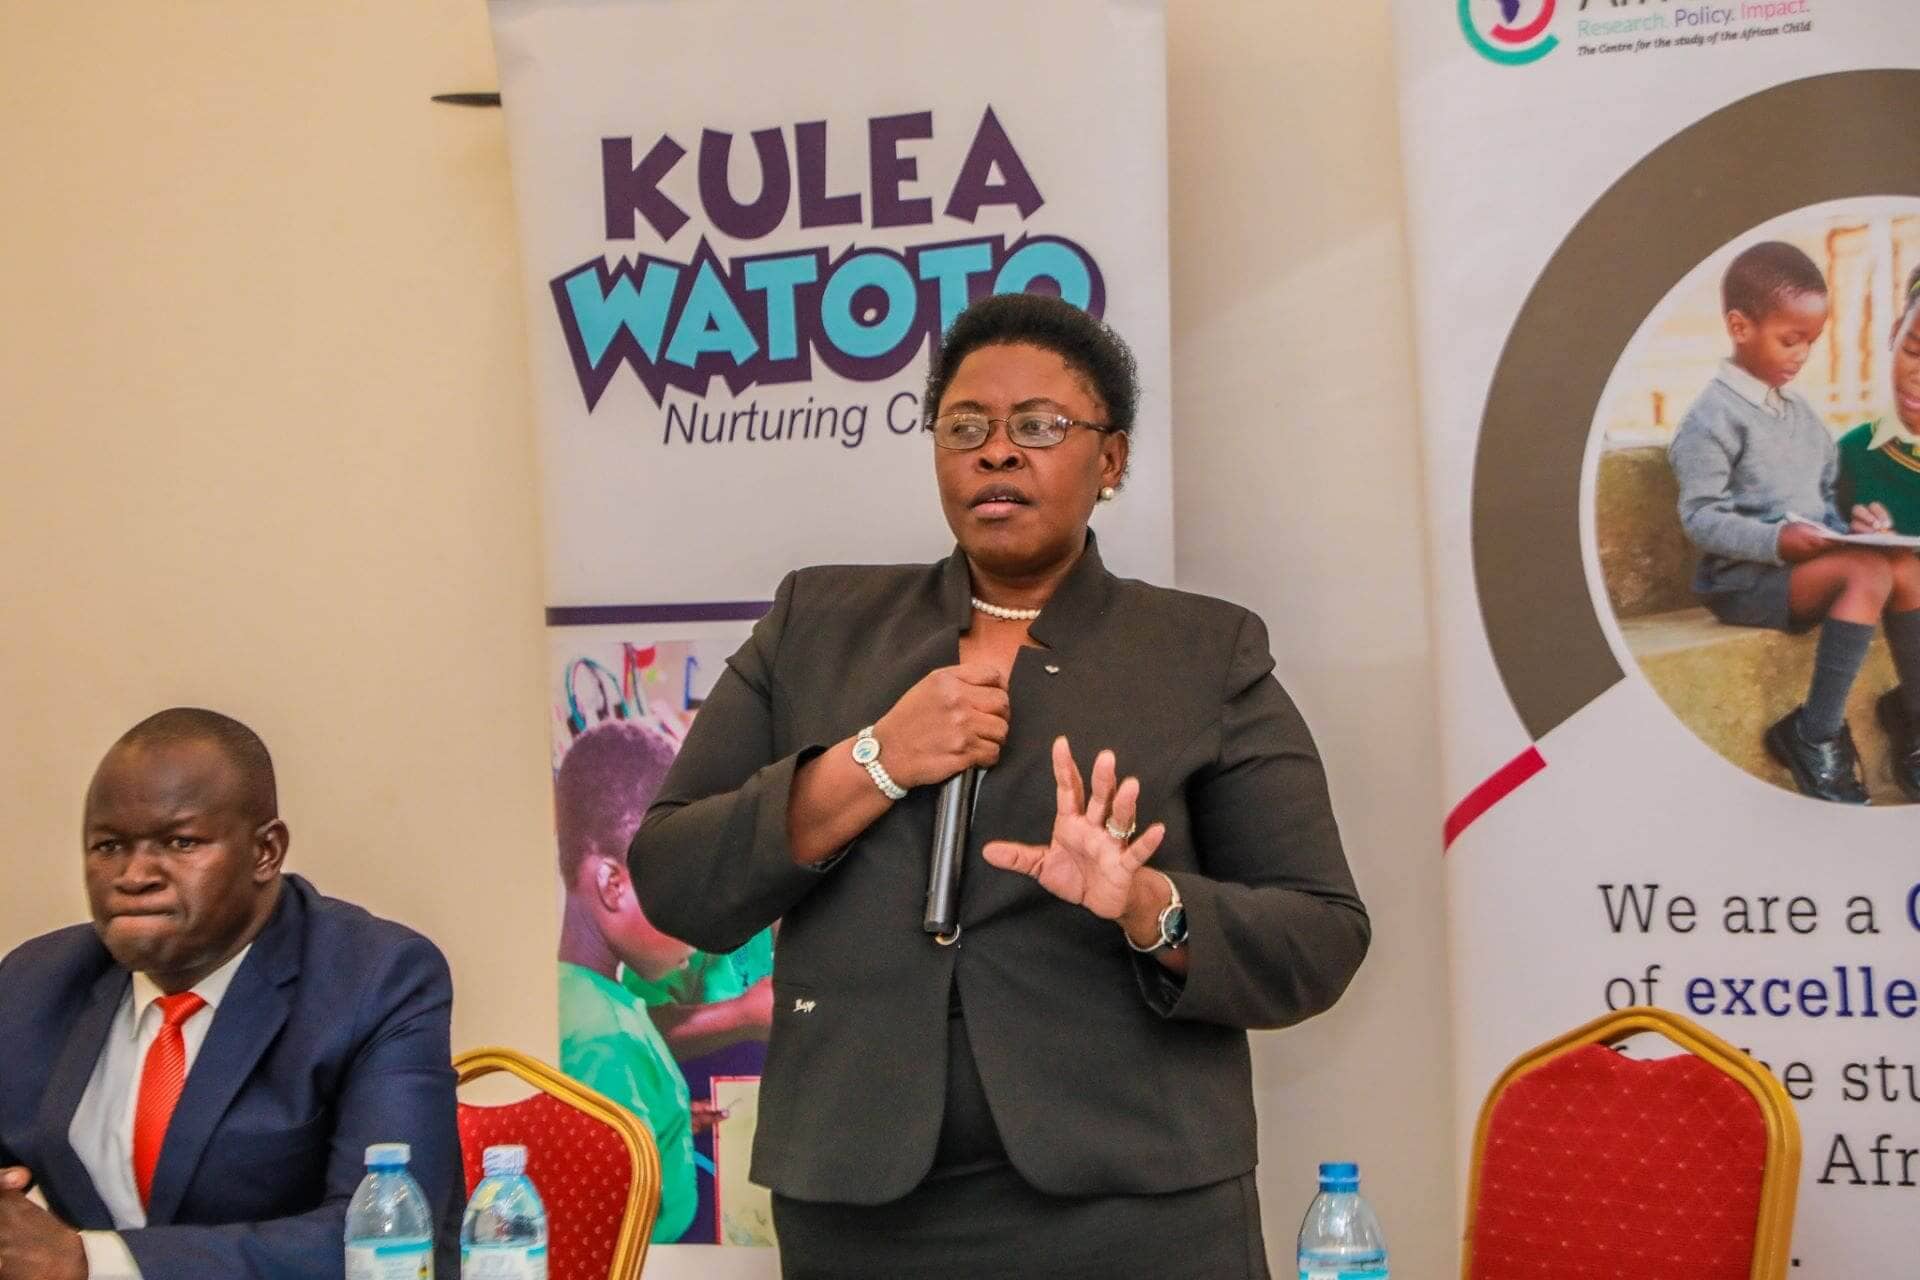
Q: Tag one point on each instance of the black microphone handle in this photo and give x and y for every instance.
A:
(952, 816)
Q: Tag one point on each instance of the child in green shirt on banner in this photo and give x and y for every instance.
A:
(711, 1001)
(607, 1040)
(1880, 460)
(1880, 469)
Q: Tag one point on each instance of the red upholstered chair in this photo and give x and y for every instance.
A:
(595, 1164)
(1589, 1165)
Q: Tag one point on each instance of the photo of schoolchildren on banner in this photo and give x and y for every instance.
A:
(1756, 496)
(1665, 264)
(651, 1022)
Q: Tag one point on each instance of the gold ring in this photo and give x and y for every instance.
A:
(1122, 836)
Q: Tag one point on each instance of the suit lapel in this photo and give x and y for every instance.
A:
(248, 1019)
(929, 639)
(69, 1187)
(1054, 690)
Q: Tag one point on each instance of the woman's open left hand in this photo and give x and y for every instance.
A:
(1084, 863)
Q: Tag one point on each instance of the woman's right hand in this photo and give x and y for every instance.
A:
(1801, 542)
(953, 719)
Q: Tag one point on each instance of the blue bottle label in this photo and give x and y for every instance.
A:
(390, 1260)
(1323, 1273)
(503, 1262)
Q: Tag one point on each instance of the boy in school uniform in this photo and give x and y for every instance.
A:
(1749, 454)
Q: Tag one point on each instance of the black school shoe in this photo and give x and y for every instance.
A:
(1823, 770)
(1892, 711)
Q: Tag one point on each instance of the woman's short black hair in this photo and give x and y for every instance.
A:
(1090, 348)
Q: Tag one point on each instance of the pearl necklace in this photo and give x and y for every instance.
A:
(1005, 614)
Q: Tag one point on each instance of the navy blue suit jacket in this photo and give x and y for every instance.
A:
(334, 1035)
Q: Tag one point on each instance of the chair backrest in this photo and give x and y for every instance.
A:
(595, 1164)
(1589, 1165)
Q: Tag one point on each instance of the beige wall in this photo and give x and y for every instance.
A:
(264, 446)
(266, 449)
(1296, 492)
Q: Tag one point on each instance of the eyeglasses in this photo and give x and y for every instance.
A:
(1032, 429)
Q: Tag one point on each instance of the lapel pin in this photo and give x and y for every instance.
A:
(1052, 670)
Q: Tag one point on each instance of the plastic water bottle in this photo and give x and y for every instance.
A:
(504, 1235)
(1340, 1238)
(389, 1228)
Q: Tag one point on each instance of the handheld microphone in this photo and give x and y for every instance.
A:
(952, 816)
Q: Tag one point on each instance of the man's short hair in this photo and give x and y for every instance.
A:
(241, 746)
(602, 789)
(1766, 275)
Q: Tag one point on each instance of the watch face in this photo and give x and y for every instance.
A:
(1175, 927)
(866, 750)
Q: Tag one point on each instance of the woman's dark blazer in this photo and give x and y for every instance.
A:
(1105, 1073)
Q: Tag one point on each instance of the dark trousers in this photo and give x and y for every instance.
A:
(990, 1225)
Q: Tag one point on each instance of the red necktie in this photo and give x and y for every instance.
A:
(161, 1079)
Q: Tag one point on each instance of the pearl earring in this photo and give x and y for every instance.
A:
(1106, 494)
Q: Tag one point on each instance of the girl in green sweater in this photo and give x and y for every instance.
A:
(1880, 461)
(1880, 468)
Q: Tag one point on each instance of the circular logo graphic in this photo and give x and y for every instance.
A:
(1510, 32)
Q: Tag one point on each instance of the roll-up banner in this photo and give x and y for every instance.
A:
(743, 227)
(1664, 258)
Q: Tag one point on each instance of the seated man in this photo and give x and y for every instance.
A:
(192, 1080)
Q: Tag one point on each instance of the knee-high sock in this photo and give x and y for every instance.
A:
(1903, 637)
(1836, 661)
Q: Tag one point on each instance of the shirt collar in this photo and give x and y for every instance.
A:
(1751, 389)
(212, 988)
(1890, 429)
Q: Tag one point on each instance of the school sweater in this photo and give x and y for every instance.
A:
(1877, 467)
(1742, 467)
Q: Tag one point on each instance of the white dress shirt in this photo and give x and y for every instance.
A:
(1889, 430)
(102, 1128)
(1768, 400)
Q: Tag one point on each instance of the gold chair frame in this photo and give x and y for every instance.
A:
(643, 1156)
(1780, 1181)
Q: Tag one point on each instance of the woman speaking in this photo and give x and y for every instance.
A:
(1060, 1087)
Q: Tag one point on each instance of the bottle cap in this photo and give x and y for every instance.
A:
(505, 1159)
(1341, 1175)
(388, 1155)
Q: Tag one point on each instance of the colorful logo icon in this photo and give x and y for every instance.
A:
(1510, 32)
